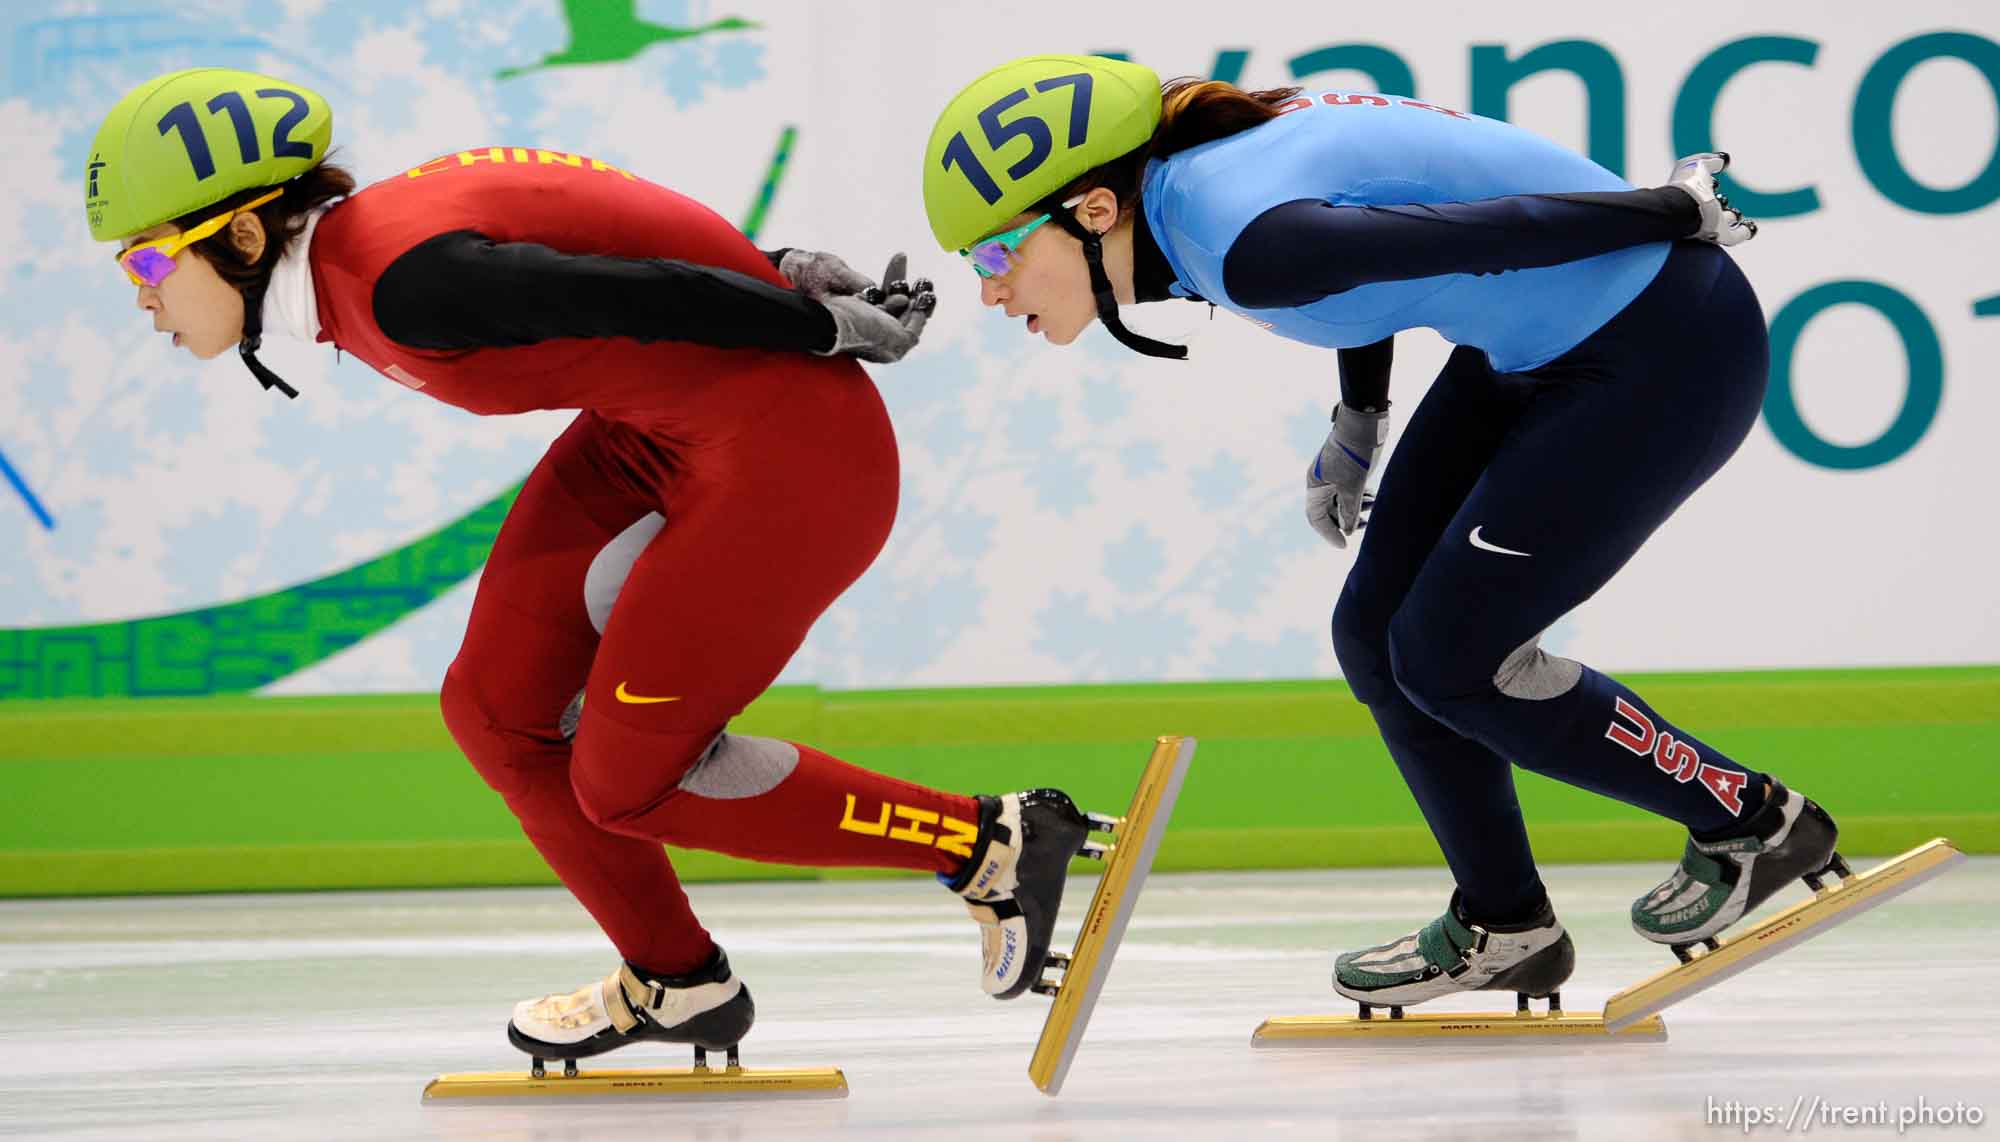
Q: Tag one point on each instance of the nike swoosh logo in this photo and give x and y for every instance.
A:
(624, 695)
(1493, 547)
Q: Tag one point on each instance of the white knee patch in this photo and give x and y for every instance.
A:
(613, 564)
(736, 767)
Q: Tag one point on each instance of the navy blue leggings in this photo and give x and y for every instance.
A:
(1567, 470)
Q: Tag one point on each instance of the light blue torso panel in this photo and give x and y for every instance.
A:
(1362, 149)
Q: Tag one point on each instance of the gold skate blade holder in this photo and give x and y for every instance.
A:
(1128, 859)
(776, 1082)
(1847, 898)
(1352, 1030)
(700, 1080)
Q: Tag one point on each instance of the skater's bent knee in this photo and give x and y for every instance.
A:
(1425, 668)
(510, 756)
(639, 799)
(1361, 644)
(730, 767)
(466, 718)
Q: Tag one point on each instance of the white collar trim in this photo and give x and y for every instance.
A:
(290, 306)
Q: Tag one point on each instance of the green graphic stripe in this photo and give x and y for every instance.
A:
(239, 793)
(768, 192)
(239, 647)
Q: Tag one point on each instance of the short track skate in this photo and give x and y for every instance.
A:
(1705, 964)
(1075, 979)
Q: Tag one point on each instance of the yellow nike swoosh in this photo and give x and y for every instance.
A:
(624, 695)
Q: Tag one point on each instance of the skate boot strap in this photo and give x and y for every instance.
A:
(990, 870)
(1764, 828)
(990, 913)
(1450, 943)
(620, 997)
(631, 1001)
(1463, 947)
(1699, 861)
(626, 998)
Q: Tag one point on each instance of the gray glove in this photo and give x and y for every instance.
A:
(883, 323)
(820, 276)
(1720, 223)
(1336, 482)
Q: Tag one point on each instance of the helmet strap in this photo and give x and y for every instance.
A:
(253, 339)
(1107, 301)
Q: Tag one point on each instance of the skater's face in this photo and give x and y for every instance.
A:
(1048, 283)
(202, 311)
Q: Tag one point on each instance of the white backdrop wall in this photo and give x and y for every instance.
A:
(1067, 515)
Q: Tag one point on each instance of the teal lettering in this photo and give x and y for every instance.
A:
(1494, 75)
(1875, 102)
(1921, 397)
(1694, 116)
(1391, 75)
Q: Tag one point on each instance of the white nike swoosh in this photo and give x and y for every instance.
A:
(1485, 546)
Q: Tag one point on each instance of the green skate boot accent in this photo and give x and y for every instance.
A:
(1719, 881)
(1452, 954)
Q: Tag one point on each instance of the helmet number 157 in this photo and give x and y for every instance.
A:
(958, 152)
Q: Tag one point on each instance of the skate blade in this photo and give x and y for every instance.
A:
(1130, 859)
(1349, 1030)
(1801, 921)
(670, 1082)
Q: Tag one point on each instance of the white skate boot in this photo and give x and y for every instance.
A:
(1013, 882)
(1452, 954)
(708, 1008)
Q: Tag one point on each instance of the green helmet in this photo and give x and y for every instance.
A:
(1025, 130)
(192, 138)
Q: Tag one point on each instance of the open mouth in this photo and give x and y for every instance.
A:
(1034, 323)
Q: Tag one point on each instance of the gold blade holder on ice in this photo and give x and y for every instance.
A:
(1340, 1030)
(703, 1081)
(1136, 838)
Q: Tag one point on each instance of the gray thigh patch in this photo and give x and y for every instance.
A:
(1535, 675)
(736, 767)
(613, 564)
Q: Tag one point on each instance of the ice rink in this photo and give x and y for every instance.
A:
(322, 1016)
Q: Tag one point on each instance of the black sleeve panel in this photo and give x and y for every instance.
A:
(462, 290)
(1298, 252)
(1364, 375)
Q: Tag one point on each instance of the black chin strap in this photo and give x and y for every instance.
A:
(1107, 302)
(253, 339)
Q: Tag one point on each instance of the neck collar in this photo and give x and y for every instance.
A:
(290, 304)
(1152, 277)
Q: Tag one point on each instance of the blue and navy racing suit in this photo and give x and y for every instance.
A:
(1605, 366)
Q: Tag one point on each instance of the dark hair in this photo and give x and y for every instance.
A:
(1192, 112)
(284, 218)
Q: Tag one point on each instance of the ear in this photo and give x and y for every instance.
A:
(246, 234)
(1098, 212)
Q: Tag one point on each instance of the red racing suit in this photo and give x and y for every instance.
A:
(509, 279)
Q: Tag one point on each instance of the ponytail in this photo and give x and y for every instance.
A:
(1192, 112)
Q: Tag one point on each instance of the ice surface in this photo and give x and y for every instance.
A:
(322, 1016)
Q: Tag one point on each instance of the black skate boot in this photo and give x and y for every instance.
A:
(1452, 954)
(1719, 881)
(1013, 882)
(708, 1008)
